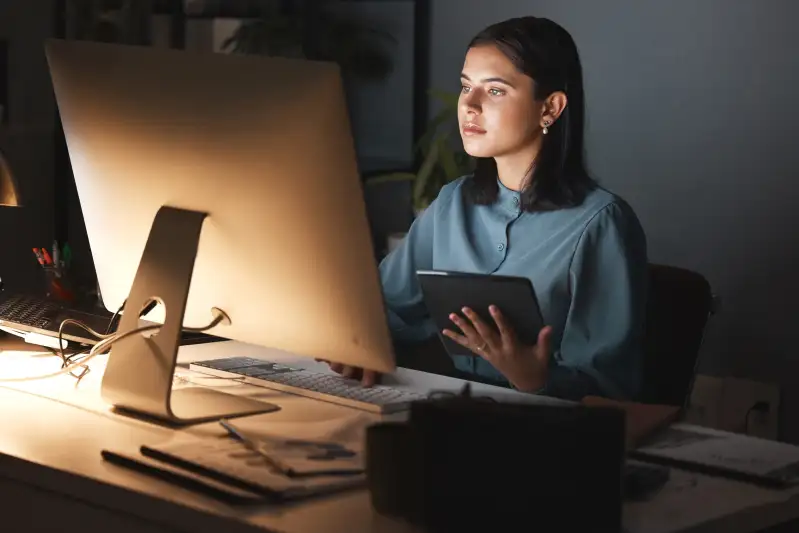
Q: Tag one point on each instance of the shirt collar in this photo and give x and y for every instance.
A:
(508, 198)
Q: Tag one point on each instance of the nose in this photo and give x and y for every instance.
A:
(470, 102)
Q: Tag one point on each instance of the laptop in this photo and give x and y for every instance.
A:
(38, 320)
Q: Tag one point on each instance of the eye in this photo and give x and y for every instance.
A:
(496, 92)
(465, 89)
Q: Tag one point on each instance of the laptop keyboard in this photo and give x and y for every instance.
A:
(321, 386)
(28, 311)
(25, 311)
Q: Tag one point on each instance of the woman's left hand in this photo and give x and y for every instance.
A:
(524, 366)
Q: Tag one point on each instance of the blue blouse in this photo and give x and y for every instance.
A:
(587, 264)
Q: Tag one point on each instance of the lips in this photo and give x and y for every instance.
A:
(472, 129)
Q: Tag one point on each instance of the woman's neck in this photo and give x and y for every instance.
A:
(513, 169)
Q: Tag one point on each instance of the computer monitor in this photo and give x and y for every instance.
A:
(227, 181)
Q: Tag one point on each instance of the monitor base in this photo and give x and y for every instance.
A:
(140, 371)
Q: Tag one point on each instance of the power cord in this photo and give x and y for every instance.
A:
(108, 340)
(66, 359)
(109, 328)
(112, 323)
(114, 317)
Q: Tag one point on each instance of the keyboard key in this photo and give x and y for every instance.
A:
(335, 389)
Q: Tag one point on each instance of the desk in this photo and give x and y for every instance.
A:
(52, 475)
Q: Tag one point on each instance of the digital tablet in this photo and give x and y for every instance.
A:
(447, 292)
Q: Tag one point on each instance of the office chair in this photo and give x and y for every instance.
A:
(679, 305)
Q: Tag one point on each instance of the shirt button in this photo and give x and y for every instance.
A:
(515, 201)
(500, 247)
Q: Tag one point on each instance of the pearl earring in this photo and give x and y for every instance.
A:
(546, 127)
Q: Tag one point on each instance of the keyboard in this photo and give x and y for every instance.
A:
(34, 314)
(331, 388)
(28, 311)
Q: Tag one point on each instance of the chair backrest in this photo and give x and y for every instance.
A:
(679, 305)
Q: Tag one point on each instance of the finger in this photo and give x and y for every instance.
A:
(468, 330)
(486, 332)
(544, 344)
(369, 378)
(466, 343)
(506, 332)
(348, 371)
(460, 339)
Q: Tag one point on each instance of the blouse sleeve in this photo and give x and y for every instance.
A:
(407, 316)
(601, 350)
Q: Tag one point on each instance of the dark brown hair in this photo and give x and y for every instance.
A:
(546, 52)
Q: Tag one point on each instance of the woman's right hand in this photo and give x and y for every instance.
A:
(366, 377)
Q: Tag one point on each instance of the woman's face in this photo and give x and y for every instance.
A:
(497, 113)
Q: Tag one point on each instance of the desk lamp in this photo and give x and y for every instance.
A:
(9, 195)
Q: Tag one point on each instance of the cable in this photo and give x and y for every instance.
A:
(146, 309)
(94, 352)
(107, 342)
(66, 359)
(114, 317)
(81, 325)
(149, 307)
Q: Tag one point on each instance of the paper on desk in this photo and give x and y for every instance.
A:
(349, 429)
(302, 457)
(231, 460)
(743, 453)
(689, 500)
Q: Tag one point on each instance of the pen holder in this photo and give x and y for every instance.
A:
(57, 284)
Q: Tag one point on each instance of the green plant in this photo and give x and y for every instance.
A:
(440, 162)
(315, 33)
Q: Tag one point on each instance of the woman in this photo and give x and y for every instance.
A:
(530, 209)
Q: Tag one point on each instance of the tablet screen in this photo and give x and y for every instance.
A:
(447, 292)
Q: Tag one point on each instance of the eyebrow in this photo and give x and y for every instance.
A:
(489, 80)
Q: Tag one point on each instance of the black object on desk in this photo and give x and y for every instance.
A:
(185, 478)
(642, 480)
(462, 464)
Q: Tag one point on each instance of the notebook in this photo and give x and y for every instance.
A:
(211, 464)
(183, 478)
(726, 454)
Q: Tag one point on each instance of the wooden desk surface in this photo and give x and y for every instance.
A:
(53, 433)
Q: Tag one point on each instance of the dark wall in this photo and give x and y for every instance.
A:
(692, 115)
(26, 139)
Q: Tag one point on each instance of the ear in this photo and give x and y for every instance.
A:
(553, 107)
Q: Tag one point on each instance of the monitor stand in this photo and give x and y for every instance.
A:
(139, 375)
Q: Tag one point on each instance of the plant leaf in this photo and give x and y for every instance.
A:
(449, 99)
(447, 159)
(353, 44)
(425, 172)
(432, 129)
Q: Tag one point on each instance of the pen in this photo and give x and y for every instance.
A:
(66, 254)
(252, 445)
(56, 255)
(39, 256)
(46, 256)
